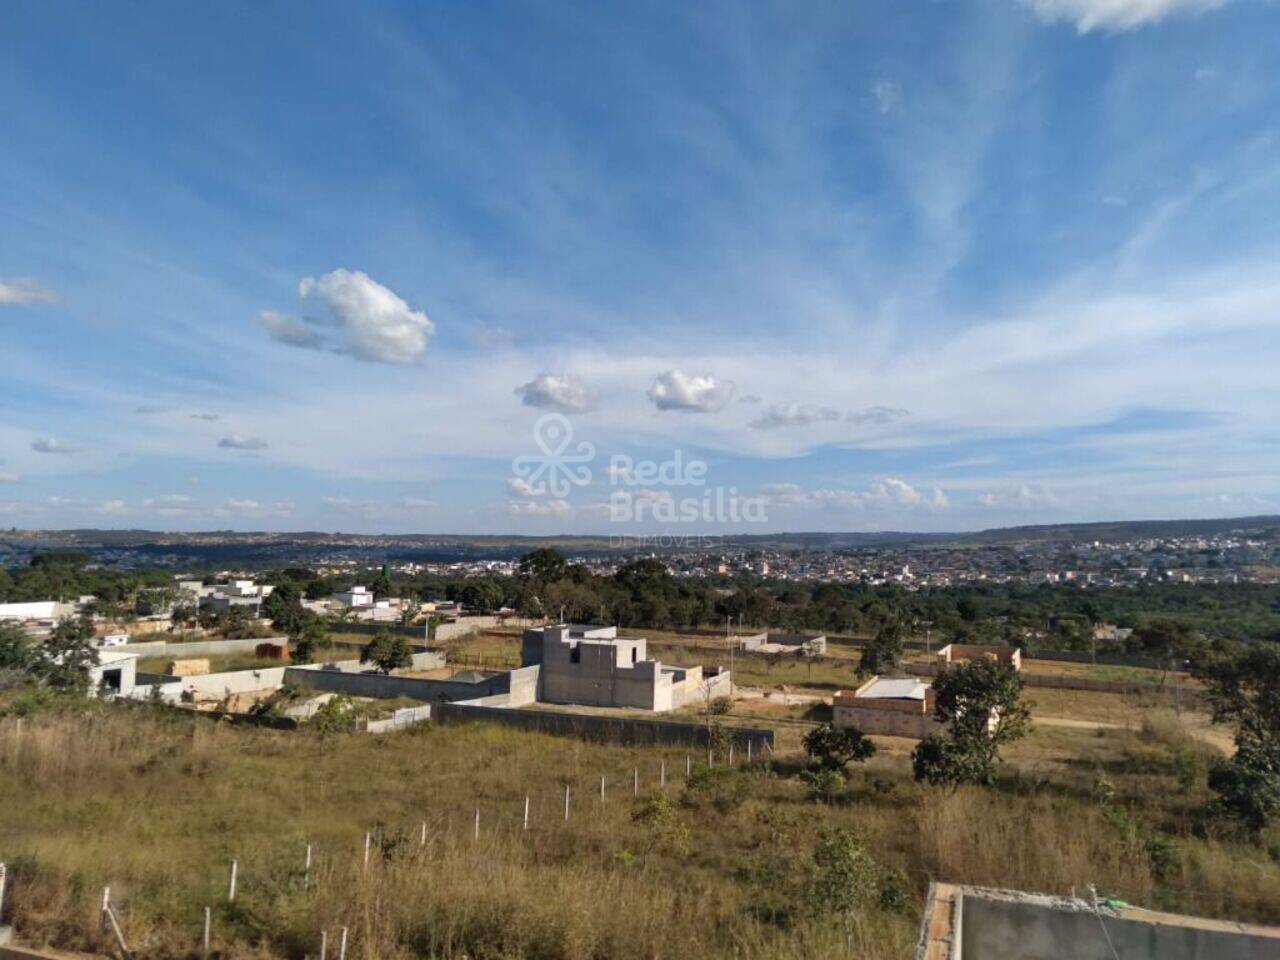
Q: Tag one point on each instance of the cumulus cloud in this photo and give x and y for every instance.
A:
(793, 415)
(238, 442)
(52, 445)
(675, 390)
(25, 292)
(1022, 497)
(887, 95)
(559, 392)
(356, 315)
(521, 487)
(1088, 15)
(539, 508)
(889, 492)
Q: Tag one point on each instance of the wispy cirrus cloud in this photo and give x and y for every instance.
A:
(1088, 15)
(238, 441)
(25, 292)
(53, 445)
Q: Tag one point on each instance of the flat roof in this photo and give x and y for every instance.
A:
(892, 688)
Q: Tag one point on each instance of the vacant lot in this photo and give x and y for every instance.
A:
(156, 803)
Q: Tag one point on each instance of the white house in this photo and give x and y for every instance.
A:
(355, 597)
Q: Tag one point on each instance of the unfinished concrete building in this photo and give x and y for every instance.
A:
(593, 666)
(889, 706)
(960, 652)
(975, 923)
(806, 644)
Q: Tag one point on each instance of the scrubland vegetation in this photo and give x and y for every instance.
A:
(741, 862)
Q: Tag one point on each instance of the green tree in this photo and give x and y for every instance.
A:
(63, 661)
(544, 565)
(387, 651)
(311, 632)
(833, 748)
(884, 653)
(846, 877)
(1243, 689)
(665, 831)
(336, 715)
(283, 607)
(16, 648)
(980, 704)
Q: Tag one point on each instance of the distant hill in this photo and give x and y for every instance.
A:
(227, 547)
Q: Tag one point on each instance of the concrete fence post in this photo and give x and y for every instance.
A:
(662, 774)
(688, 766)
(231, 883)
(204, 940)
(422, 841)
(566, 803)
(106, 905)
(4, 876)
(731, 753)
(324, 943)
(367, 839)
(342, 945)
(526, 811)
(748, 749)
(635, 781)
(711, 761)
(602, 788)
(306, 868)
(476, 836)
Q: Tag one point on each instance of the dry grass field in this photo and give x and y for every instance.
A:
(156, 803)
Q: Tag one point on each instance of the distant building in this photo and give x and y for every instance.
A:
(891, 707)
(960, 652)
(593, 666)
(355, 597)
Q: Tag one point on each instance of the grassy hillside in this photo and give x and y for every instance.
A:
(156, 803)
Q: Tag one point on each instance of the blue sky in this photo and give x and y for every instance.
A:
(900, 265)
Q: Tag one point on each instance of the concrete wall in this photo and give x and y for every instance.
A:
(622, 730)
(517, 688)
(400, 720)
(195, 648)
(886, 719)
(1012, 930)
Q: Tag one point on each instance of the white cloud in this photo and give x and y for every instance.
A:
(1022, 497)
(24, 291)
(1088, 15)
(887, 493)
(52, 445)
(418, 503)
(559, 392)
(675, 390)
(793, 415)
(289, 330)
(888, 95)
(9, 477)
(370, 321)
(539, 508)
(239, 442)
(243, 504)
(877, 416)
(205, 416)
(521, 487)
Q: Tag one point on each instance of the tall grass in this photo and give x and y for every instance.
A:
(156, 803)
